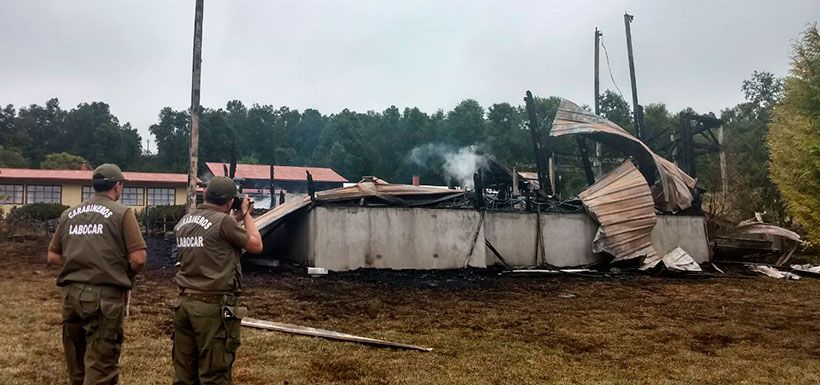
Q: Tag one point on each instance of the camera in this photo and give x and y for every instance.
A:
(237, 203)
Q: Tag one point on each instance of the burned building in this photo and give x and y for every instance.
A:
(641, 210)
(377, 225)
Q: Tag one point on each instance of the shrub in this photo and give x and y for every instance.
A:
(794, 137)
(36, 212)
(160, 217)
(162, 213)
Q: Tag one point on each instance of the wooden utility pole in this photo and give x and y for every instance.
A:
(637, 110)
(596, 163)
(196, 76)
(597, 72)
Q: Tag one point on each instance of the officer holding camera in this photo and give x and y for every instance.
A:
(208, 311)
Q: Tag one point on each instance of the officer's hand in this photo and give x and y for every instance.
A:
(247, 205)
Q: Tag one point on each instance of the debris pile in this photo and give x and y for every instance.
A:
(772, 272)
(677, 260)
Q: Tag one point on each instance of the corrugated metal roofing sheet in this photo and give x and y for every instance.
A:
(622, 203)
(267, 221)
(398, 194)
(676, 186)
(766, 229)
(531, 175)
(261, 171)
(85, 176)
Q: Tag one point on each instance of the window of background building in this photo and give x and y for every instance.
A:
(43, 194)
(161, 196)
(11, 194)
(88, 192)
(132, 196)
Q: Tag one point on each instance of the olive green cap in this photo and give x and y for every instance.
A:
(108, 172)
(221, 187)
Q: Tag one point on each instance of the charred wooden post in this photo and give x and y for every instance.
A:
(582, 148)
(478, 182)
(528, 200)
(685, 154)
(515, 182)
(311, 187)
(538, 146)
(281, 197)
(272, 192)
(233, 159)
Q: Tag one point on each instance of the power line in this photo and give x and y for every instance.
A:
(606, 54)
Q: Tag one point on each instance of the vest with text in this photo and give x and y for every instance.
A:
(93, 245)
(207, 261)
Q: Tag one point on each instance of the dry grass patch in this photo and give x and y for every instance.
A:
(484, 329)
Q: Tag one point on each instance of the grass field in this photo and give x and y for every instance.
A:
(484, 328)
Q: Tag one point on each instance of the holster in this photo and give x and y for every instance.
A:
(234, 312)
(232, 308)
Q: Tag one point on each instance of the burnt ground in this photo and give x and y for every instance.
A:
(485, 328)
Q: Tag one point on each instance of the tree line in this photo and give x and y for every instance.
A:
(379, 143)
(352, 143)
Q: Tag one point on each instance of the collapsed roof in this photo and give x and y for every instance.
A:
(673, 190)
(374, 189)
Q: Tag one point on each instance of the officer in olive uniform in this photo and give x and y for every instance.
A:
(208, 312)
(99, 247)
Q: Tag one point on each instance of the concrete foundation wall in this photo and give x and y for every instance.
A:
(567, 239)
(347, 238)
(294, 238)
(685, 231)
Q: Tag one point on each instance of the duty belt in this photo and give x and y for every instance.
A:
(209, 297)
(103, 290)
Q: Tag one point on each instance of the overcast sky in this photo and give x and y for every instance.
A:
(368, 55)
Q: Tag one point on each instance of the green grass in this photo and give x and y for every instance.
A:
(491, 330)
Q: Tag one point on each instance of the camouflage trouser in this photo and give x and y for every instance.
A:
(205, 341)
(92, 333)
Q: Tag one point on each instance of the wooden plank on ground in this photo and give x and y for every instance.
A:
(313, 332)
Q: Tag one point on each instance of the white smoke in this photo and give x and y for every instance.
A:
(459, 164)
